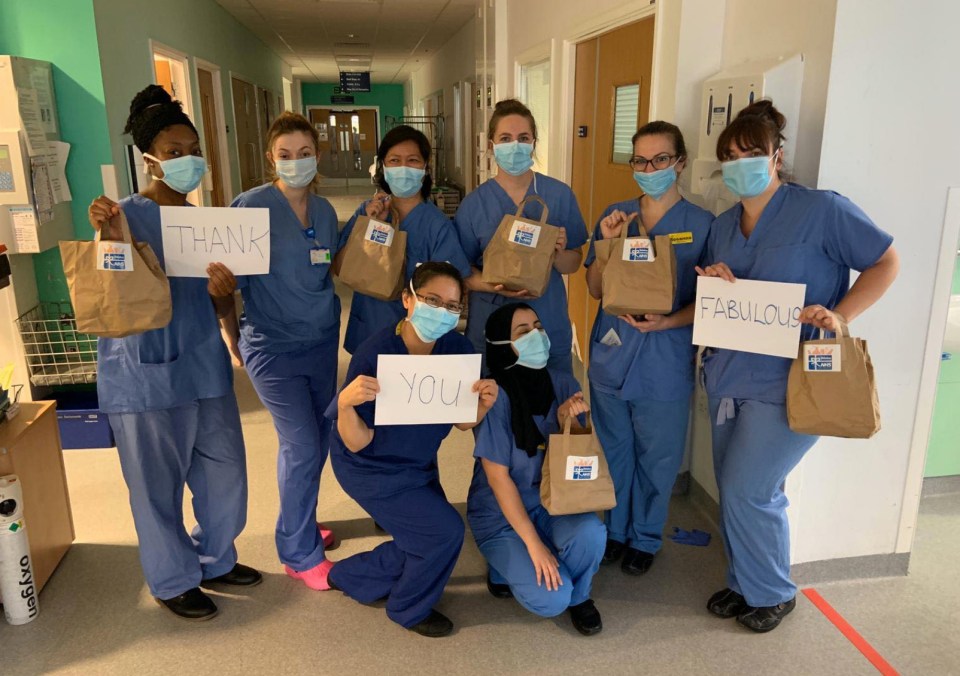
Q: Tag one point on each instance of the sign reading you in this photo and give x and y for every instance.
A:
(427, 389)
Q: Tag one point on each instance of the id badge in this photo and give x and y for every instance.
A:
(319, 256)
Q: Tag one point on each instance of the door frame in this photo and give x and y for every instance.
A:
(225, 174)
(158, 48)
(345, 108)
(233, 116)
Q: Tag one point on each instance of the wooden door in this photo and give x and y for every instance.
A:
(211, 135)
(619, 60)
(248, 133)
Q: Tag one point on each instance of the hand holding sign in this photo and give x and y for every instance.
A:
(427, 389)
(194, 237)
(361, 390)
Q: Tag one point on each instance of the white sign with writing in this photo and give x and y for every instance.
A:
(427, 389)
(194, 237)
(749, 316)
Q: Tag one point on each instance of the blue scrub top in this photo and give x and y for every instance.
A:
(812, 237)
(294, 307)
(477, 221)
(430, 237)
(496, 443)
(657, 365)
(169, 367)
(400, 457)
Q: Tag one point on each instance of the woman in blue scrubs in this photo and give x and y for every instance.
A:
(391, 470)
(779, 232)
(169, 392)
(512, 135)
(641, 368)
(546, 562)
(403, 176)
(289, 335)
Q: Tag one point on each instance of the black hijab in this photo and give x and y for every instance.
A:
(530, 390)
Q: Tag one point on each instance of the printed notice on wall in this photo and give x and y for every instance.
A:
(26, 237)
(32, 121)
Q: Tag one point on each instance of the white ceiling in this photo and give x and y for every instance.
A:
(319, 38)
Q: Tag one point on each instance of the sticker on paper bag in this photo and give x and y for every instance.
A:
(821, 358)
(525, 233)
(381, 233)
(115, 256)
(582, 468)
(638, 249)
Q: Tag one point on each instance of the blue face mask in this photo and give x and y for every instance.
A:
(430, 323)
(656, 183)
(182, 174)
(404, 181)
(515, 158)
(297, 173)
(533, 348)
(748, 176)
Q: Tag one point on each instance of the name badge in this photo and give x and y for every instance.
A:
(115, 256)
(822, 358)
(319, 256)
(582, 468)
(525, 233)
(638, 249)
(681, 237)
(379, 233)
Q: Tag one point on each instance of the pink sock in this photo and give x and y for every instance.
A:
(316, 578)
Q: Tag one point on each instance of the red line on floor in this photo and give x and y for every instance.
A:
(858, 641)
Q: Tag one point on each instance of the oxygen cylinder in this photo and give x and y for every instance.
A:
(17, 590)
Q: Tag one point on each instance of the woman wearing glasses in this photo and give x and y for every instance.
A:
(642, 367)
(403, 176)
(289, 334)
(391, 470)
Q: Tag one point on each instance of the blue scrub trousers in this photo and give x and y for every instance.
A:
(296, 388)
(411, 570)
(577, 540)
(199, 444)
(754, 450)
(644, 441)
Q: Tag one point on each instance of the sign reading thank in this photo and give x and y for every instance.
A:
(427, 389)
(194, 237)
(748, 315)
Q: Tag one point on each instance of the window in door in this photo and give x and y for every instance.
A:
(535, 93)
(626, 110)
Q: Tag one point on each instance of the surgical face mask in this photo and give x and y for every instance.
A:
(748, 176)
(430, 323)
(656, 183)
(404, 181)
(533, 348)
(182, 174)
(297, 173)
(515, 158)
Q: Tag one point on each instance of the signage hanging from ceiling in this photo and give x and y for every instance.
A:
(354, 82)
(341, 99)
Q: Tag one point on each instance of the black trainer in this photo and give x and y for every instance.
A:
(727, 603)
(239, 576)
(613, 551)
(768, 618)
(192, 605)
(586, 618)
(436, 625)
(500, 591)
(636, 562)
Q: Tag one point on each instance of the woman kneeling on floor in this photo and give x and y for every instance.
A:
(546, 562)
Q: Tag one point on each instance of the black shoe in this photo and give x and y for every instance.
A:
(613, 551)
(239, 576)
(727, 603)
(435, 626)
(586, 618)
(500, 591)
(762, 620)
(636, 562)
(192, 605)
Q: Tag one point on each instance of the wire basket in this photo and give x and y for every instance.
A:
(56, 353)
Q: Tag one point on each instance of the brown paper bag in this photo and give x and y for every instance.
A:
(576, 479)
(831, 389)
(118, 302)
(521, 253)
(637, 286)
(375, 258)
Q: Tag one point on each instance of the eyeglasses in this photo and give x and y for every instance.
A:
(435, 301)
(658, 162)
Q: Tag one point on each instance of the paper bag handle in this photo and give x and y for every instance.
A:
(125, 235)
(533, 198)
(844, 331)
(395, 213)
(625, 229)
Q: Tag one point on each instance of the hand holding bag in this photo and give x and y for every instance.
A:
(521, 253)
(639, 274)
(831, 389)
(118, 288)
(576, 479)
(375, 258)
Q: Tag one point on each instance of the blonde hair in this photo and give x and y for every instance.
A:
(290, 123)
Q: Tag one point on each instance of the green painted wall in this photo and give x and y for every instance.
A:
(943, 451)
(63, 32)
(388, 97)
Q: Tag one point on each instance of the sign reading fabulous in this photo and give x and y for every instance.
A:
(749, 316)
